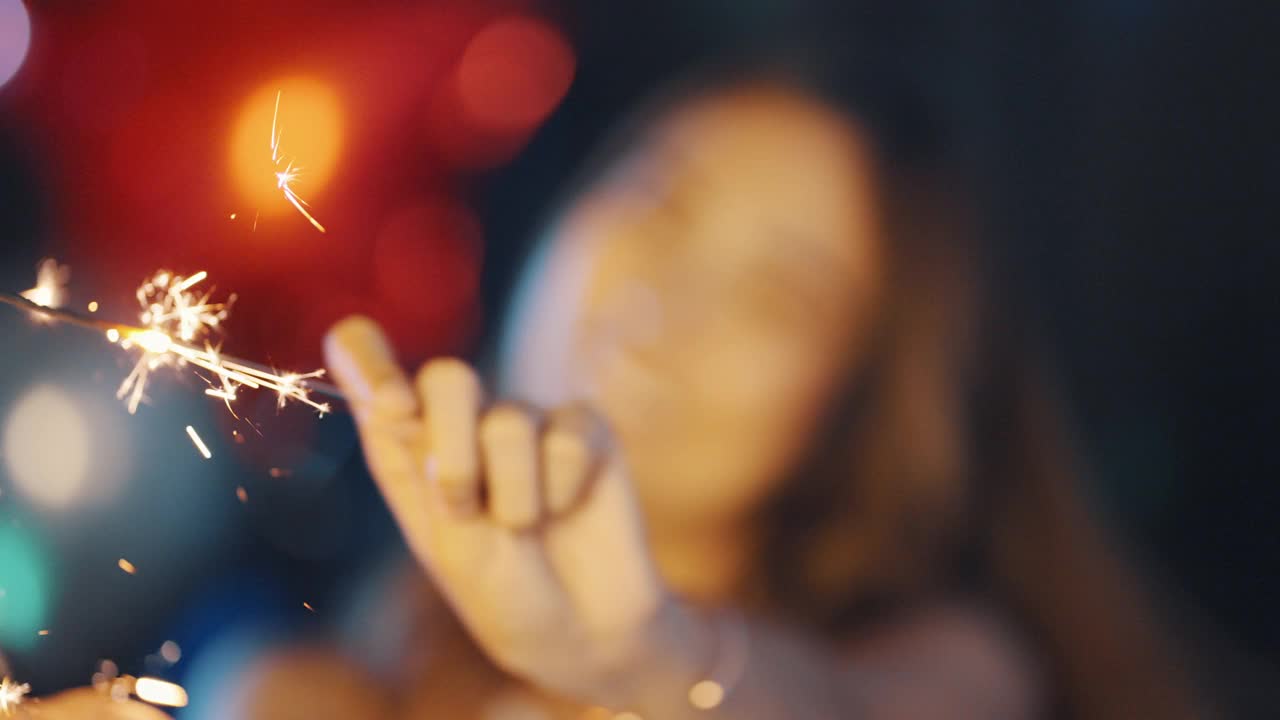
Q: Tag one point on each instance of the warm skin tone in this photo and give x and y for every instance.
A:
(728, 265)
(83, 704)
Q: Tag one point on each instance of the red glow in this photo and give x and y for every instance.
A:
(427, 273)
(104, 79)
(513, 74)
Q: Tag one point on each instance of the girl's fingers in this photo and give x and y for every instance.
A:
(364, 366)
(87, 704)
(574, 441)
(450, 395)
(384, 406)
(509, 439)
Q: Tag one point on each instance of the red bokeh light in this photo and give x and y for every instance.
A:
(130, 110)
(513, 74)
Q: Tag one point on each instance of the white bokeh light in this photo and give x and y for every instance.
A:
(15, 37)
(47, 447)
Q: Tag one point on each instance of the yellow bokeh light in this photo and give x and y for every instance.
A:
(160, 692)
(48, 447)
(706, 695)
(309, 128)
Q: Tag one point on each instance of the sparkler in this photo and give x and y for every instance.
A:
(174, 319)
(286, 177)
(174, 316)
(11, 695)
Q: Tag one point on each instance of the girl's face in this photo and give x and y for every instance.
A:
(705, 296)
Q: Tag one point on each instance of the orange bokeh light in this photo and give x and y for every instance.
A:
(309, 127)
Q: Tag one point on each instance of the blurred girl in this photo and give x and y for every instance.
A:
(767, 445)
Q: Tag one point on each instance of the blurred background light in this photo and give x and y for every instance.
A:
(47, 447)
(15, 37)
(105, 78)
(513, 73)
(160, 692)
(310, 127)
(25, 589)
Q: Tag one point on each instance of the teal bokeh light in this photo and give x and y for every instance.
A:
(24, 587)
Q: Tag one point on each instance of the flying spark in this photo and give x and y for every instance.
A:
(195, 440)
(127, 566)
(11, 695)
(286, 177)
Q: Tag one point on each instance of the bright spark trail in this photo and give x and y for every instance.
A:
(286, 177)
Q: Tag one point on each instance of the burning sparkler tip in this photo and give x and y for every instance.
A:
(11, 694)
(51, 287)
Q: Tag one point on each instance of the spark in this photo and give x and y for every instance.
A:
(93, 306)
(286, 177)
(43, 633)
(11, 694)
(308, 606)
(51, 286)
(195, 440)
(241, 494)
(127, 566)
(175, 318)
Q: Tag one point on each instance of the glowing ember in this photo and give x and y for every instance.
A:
(127, 566)
(43, 633)
(51, 285)
(242, 495)
(11, 695)
(286, 177)
(308, 607)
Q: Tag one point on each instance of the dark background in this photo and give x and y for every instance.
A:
(1125, 156)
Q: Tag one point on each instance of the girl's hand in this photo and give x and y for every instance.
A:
(524, 518)
(85, 704)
